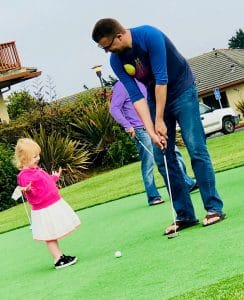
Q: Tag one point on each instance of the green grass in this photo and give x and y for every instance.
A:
(226, 152)
(227, 289)
(202, 263)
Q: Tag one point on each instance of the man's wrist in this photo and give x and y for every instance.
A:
(159, 119)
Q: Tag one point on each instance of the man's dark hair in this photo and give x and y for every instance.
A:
(106, 28)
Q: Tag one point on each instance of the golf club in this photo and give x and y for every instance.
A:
(18, 194)
(175, 233)
(140, 142)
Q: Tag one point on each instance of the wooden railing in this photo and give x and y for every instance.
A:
(9, 59)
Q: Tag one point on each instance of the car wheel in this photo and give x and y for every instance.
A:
(228, 126)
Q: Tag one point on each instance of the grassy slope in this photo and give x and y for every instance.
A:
(226, 152)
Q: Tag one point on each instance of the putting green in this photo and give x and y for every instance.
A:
(151, 266)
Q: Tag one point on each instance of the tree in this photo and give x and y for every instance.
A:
(19, 103)
(237, 41)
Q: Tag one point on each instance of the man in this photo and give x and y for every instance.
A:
(147, 54)
(123, 112)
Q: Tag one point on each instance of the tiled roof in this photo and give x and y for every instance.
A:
(69, 99)
(218, 68)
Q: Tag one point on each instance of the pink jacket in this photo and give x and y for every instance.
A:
(43, 192)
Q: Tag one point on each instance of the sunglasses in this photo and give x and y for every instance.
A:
(106, 48)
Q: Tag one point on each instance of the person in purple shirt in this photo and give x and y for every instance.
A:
(145, 53)
(122, 110)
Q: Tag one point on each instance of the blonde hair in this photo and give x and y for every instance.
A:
(24, 150)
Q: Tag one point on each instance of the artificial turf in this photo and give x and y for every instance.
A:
(151, 266)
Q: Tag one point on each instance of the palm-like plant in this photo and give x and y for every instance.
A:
(95, 127)
(58, 151)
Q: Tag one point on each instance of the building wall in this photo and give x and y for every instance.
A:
(4, 118)
(235, 94)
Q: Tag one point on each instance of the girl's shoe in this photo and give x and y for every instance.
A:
(65, 261)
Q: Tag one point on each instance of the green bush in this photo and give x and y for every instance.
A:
(86, 120)
(11, 132)
(58, 151)
(7, 177)
(122, 151)
(95, 126)
(54, 117)
(19, 103)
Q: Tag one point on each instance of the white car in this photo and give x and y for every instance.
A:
(214, 120)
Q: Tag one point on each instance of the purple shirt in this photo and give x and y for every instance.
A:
(122, 109)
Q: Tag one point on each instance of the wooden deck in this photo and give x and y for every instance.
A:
(11, 71)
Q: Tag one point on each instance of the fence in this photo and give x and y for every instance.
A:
(9, 59)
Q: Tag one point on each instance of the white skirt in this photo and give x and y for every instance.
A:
(54, 221)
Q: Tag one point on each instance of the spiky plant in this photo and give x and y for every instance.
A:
(58, 151)
(95, 127)
(240, 106)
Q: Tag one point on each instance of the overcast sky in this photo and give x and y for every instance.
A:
(55, 35)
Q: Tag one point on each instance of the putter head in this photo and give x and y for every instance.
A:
(173, 235)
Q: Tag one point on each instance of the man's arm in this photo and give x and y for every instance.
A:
(155, 42)
(142, 109)
(161, 95)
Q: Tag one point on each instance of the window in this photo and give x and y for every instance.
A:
(213, 103)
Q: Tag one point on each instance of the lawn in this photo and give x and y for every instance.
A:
(226, 152)
(202, 263)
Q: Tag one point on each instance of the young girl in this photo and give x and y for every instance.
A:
(51, 217)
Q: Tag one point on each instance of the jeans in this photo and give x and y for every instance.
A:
(147, 164)
(190, 183)
(185, 110)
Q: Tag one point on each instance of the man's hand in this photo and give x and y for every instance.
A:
(159, 141)
(161, 131)
(131, 131)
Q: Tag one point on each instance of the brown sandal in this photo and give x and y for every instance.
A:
(220, 216)
(156, 202)
(181, 225)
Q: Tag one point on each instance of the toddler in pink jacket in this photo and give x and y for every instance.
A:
(51, 217)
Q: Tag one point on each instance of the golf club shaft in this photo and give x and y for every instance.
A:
(26, 209)
(169, 188)
(167, 175)
(145, 147)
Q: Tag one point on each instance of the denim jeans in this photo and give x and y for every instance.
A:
(185, 110)
(190, 183)
(147, 164)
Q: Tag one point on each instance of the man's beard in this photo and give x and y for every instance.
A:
(120, 50)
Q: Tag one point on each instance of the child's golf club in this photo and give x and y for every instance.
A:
(175, 233)
(18, 194)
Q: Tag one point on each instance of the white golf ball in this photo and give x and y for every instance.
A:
(117, 254)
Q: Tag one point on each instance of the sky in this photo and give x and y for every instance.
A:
(55, 35)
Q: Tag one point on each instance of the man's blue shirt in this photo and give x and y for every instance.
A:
(156, 61)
